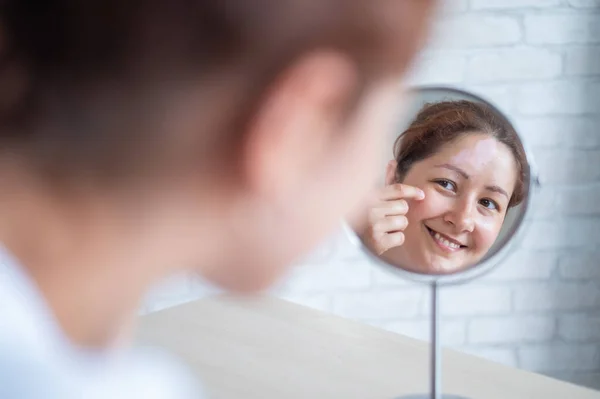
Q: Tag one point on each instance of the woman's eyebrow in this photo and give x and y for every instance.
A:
(497, 189)
(464, 174)
(454, 168)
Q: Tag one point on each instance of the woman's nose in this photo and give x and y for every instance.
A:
(461, 216)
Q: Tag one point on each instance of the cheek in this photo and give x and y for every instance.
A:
(486, 233)
(434, 205)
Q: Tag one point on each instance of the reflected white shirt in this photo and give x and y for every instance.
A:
(37, 361)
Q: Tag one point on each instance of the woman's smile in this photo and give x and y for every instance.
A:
(445, 243)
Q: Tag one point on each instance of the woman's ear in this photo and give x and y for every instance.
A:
(292, 132)
(390, 172)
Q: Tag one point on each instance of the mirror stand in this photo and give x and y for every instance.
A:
(429, 112)
(435, 353)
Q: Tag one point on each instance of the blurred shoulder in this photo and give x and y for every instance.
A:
(24, 376)
(28, 375)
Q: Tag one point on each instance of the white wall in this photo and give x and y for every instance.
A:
(539, 60)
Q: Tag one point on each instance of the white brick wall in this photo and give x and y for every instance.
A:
(475, 300)
(580, 265)
(582, 61)
(514, 64)
(404, 303)
(580, 327)
(559, 357)
(512, 4)
(553, 296)
(453, 334)
(548, 132)
(564, 27)
(539, 61)
(561, 97)
(511, 329)
(584, 3)
(478, 31)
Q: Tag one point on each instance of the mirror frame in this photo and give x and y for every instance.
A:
(522, 222)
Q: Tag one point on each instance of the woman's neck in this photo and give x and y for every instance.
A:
(79, 257)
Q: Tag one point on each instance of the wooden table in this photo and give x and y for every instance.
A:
(264, 348)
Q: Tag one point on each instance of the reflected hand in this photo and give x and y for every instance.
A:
(387, 217)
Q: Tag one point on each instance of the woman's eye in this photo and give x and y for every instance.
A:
(446, 184)
(489, 204)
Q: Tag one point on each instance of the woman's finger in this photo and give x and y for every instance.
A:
(399, 191)
(389, 241)
(390, 224)
(388, 208)
(398, 207)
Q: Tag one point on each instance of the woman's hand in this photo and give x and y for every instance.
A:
(386, 219)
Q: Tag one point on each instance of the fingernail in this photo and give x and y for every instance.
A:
(421, 194)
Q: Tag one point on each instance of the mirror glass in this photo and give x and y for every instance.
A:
(454, 186)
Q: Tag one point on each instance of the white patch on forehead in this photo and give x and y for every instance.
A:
(484, 151)
(485, 160)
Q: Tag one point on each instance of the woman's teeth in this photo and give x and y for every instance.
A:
(445, 242)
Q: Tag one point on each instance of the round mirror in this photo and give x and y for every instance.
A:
(456, 183)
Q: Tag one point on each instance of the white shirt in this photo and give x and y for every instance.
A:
(38, 362)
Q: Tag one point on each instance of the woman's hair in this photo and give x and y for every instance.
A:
(439, 123)
(82, 82)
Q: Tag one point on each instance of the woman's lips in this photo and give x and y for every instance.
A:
(444, 242)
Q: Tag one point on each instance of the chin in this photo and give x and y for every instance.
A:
(444, 266)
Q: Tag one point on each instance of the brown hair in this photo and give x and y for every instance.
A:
(82, 80)
(439, 123)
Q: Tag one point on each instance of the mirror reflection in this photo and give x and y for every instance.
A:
(453, 182)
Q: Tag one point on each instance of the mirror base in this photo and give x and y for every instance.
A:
(428, 396)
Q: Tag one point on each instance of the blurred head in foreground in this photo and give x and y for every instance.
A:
(225, 137)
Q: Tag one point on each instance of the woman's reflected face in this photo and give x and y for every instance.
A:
(468, 185)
